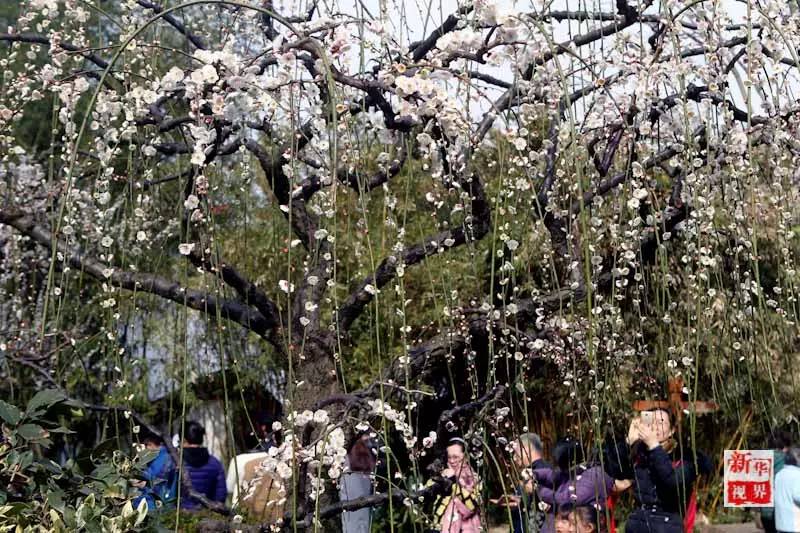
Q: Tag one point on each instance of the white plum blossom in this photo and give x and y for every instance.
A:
(191, 202)
(171, 80)
(320, 416)
(285, 286)
(205, 75)
(186, 248)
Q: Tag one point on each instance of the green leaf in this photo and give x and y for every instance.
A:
(52, 467)
(141, 512)
(104, 448)
(56, 500)
(62, 429)
(144, 457)
(31, 432)
(9, 413)
(45, 398)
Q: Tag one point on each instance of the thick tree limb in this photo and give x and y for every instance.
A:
(248, 292)
(294, 210)
(143, 282)
(354, 180)
(474, 229)
(464, 410)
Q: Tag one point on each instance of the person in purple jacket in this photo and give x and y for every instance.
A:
(205, 471)
(575, 482)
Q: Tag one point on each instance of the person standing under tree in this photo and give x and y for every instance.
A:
(459, 511)
(205, 471)
(780, 442)
(524, 504)
(663, 474)
(356, 483)
(787, 494)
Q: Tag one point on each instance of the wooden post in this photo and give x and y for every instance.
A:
(676, 403)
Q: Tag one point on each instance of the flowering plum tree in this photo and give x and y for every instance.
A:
(416, 216)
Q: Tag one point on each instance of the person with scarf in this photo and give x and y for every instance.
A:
(663, 474)
(458, 511)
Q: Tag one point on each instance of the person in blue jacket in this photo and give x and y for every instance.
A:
(159, 480)
(204, 470)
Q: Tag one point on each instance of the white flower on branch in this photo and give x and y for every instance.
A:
(205, 75)
(285, 286)
(170, 80)
(191, 202)
(186, 248)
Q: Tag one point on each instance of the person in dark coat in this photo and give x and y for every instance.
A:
(205, 470)
(663, 472)
(527, 515)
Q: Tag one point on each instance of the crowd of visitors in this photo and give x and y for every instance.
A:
(161, 479)
(575, 493)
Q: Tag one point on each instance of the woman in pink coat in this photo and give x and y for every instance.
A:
(458, 512)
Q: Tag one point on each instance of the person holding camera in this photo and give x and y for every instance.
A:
(663, 474)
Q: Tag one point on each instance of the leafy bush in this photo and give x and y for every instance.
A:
(89, 493)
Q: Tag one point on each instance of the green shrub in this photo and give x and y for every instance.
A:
(90, 493)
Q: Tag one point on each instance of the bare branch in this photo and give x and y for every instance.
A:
(175, 23)
(38, 38)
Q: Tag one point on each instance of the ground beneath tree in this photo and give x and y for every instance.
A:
(747, 527)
